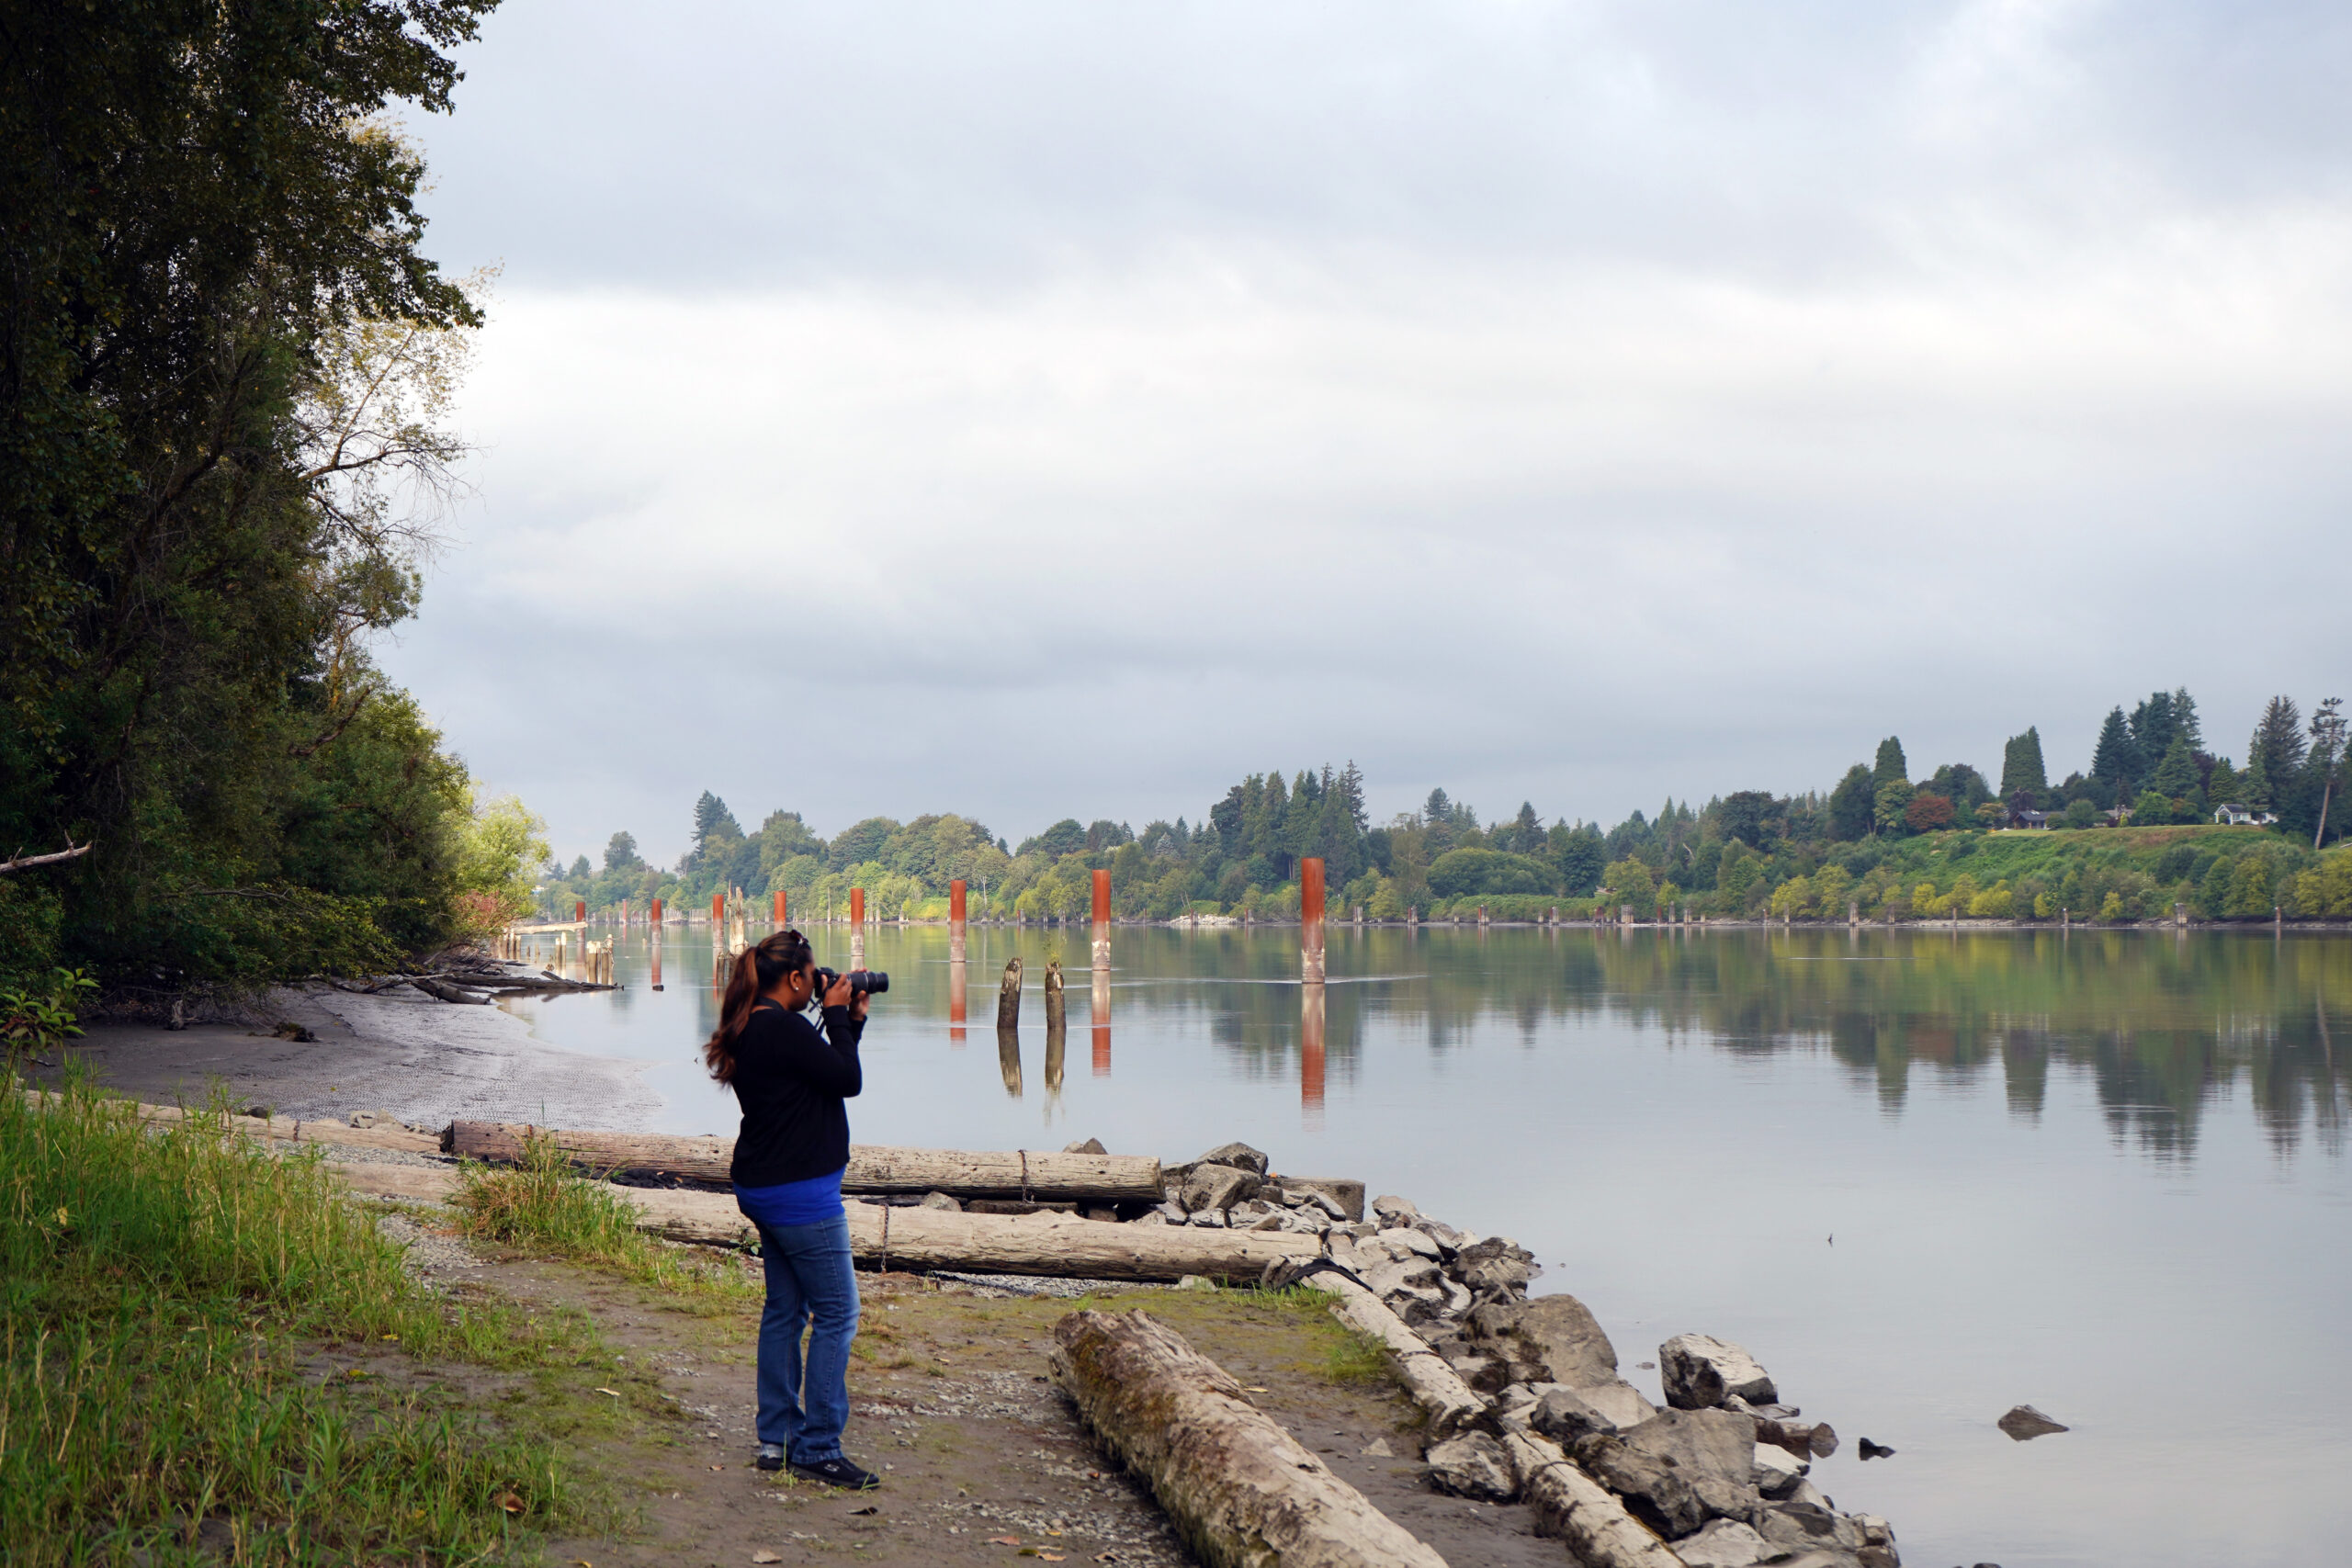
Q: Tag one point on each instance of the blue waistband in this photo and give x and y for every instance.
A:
(809, 1202)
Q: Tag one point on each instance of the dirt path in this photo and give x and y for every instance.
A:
(981, 1459)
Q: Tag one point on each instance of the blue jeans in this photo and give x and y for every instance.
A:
(811, 1285)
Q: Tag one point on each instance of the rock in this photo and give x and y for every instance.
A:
(1219, 1186)
(1875, 1450)
(1240, 1155)
(1565, 1337)
(1649, 1487)
(1713, 1451)
(1483, 1373)
(1700, 1370)
(1494, 1263)
(1396, 1276)
(1391, 1210)
(940, 1201)
(1378, 1448)
(1563, 1415)
(1724, 1543)
(368, 1118)
(1817, 1440)
(1090, 1147)
(1172, 1212)
(1407, 1242)
(1340, 1199)
(2024, 1422)
(1776, 1473)
(1207, 1218)
(1111, 1215)
(1808, 1527)
(1472, 1465)
(1150, 1217)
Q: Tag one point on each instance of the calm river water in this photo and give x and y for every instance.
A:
(1922, 1176)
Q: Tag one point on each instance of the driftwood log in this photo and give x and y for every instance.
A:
(873, 1168)
(1049, 1245)
(1243, 1490)
(1436, 1387)
(283, 1128)
(1580, 1512)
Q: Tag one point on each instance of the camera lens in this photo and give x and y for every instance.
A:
(870, 980)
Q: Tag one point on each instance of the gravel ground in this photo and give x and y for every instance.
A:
(351, 1154)
(429, 1254)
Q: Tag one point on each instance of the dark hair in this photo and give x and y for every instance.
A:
(757, 967)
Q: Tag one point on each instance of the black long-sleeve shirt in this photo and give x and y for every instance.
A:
(791, 1081)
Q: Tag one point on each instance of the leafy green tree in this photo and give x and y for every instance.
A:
(1630, 882)
(620, 852)
(1753, 816)
(1893, 801)
(1580, 859)
(1853, 805)
(2081, 813)
(1064, 838)
(1459, 873)
(2251, 892)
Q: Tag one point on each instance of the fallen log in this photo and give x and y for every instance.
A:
(1049, 1244)
(1450, 1404)
(282, 1129)
(1578, 1511)
(1243, 1490)
(873, 1168)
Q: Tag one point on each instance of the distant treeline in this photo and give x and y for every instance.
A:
(1880, 841)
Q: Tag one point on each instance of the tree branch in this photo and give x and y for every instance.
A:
(24, 863)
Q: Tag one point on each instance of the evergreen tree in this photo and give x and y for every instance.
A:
(2224, 785)
(1438, 809)
(1351, 792)
(2152, 728)
(2257, 783)
(1891, 767)
(2184, 720)
(2176, 776)
(2021, 766)
(2278, 743)
(2115, 761)
(1852, 805)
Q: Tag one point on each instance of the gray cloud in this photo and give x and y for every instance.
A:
(1575, 403)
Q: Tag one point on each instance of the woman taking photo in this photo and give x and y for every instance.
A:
(791, 1078)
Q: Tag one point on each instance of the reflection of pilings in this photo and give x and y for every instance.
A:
(1310, 1047)
(955, 972)
(956, 922)
(1310, 921)
(1101, 1000)
(657, 958)
(1008, 997)
(1008, 1059)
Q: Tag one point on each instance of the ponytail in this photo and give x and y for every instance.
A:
(757, 967)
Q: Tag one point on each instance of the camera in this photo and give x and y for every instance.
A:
(866, 981)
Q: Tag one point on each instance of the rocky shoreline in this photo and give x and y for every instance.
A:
(1520, 1390)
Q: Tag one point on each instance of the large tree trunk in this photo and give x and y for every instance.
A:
(1244, 1492)
(1047, 1245)
(872, 1167)
(1436, 1387)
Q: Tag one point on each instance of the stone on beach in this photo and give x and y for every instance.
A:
(1701, 1371)
(1724, 1543)
(2024, 1424)
(1219, 1186)
(939, 1201)
(1561, 1333)
(1563, 1415)
(1713, 1451)
(1240, 1155)
(1472, 1465)
(1086, 1147)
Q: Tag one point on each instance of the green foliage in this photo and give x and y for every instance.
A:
(224, 358)
(2080, 814)
(154, 1286)
(1890, 767)
(38, 1017)
(543, 1204)
(2022, 771)
(2116, 761)
(1853, 805)
(1459, 872)
(1893, 800)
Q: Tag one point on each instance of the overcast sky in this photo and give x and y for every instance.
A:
(1061, 409)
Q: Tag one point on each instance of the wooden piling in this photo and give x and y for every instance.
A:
(1310, 921)
(1102, 920)
(783, 908)
(1007, 997)
(718, 915)
(656, 917)
(1055, 1014)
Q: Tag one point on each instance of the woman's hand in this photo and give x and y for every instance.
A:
(838, 995)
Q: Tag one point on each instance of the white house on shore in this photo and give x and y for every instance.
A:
(2235, 816)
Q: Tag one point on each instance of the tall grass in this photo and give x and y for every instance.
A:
(152, 1283)
(542, 1203)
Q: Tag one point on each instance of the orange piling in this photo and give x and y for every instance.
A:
(1310, 921)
